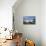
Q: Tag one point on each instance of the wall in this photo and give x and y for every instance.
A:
(6, 13)
(43, 22)
(29, 8)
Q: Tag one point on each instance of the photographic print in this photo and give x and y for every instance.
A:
(29, 20)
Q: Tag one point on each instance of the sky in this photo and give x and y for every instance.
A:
(28, 17)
